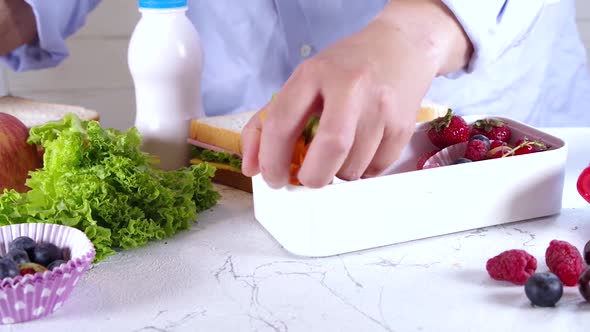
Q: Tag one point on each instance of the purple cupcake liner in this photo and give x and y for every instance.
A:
(34, 296)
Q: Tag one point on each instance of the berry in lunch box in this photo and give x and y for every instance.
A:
(526, 146)
(476, 150)
(493, 129)
(31, 268)
(448, 130)
(19, 256)
(24, 243)
(45, 253)
(462, 161)
(499, 152)
(422, 160)
(587, 252)
(495, 143)
(55, 264)
(8, 268)
(584, 286)
(482, 138)
(544, 289)
(515, 266)
(565, 261)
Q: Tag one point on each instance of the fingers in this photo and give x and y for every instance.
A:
(284, 123)
(369, 135)
(334, 138)
(250, 144)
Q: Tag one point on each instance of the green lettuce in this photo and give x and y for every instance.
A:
(218, 157)
(99, 181)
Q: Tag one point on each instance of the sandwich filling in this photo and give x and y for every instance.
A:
(217, 157)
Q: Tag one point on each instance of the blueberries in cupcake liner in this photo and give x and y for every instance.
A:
(25, 256)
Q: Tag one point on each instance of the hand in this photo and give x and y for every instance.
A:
(17, 25)
(368, 88)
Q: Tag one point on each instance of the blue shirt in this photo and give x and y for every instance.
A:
(529, 62)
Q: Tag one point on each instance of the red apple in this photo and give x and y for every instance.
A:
(17, 157)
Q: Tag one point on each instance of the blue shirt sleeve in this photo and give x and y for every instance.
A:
(495, 26)
(56, 21)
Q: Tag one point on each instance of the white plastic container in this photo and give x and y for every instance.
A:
(409, 205)
(165, 61)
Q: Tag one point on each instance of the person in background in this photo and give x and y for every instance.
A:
(366, 64)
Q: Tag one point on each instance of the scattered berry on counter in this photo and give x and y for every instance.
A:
(25, 256)
(448, 130)
(493, 129)
(544, 289)
(8, 268)
(422, 160)
(515, 266)
(462, 161)
(476, 150)
(565, 261)
(587, 252)
(584, 286)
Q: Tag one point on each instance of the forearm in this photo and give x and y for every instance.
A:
(432, 28)
(17, 25)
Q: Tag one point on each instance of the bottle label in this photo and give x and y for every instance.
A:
(162, 4)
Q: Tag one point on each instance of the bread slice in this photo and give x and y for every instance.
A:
(430, 111)
(34, 113)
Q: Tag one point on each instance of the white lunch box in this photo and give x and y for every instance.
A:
(407, 204)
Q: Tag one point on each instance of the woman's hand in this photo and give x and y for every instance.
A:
(368, 88)
(17, 25)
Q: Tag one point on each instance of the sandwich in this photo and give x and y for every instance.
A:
(217, 140)
(34, 113)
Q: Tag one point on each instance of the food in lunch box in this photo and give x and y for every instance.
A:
(448, 130)
(25, 256)
(425, 157)
(462, 161)
(544, 289)
(565, 261)
(493, 129)
(477, 148)
(99, 181)
(514, 265)
(217, 141)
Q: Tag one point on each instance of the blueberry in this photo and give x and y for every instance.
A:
(584, 284)
(481, 138)
(55, 264)
(544, 289)
(587, 252)
(19, 256)
(461, 161)
(23, 243)
(8, 268)
(46, 253)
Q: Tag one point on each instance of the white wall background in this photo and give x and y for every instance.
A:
(96, 75)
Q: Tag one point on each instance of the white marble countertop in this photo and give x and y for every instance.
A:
(228, 274)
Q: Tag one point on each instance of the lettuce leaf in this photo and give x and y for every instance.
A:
(218, 157)
(99, 181)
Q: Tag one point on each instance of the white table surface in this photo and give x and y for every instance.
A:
(228, 274)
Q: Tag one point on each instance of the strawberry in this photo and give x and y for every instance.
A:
(448, 130)
(422, 160)
(495, 143)
(476, 150)
(500, 152)
(493, 129)
(526, 146)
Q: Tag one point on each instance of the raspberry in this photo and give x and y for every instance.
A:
(515, 266)
(565, 261)
(496, 143)
(422, 160)
(476, 150)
